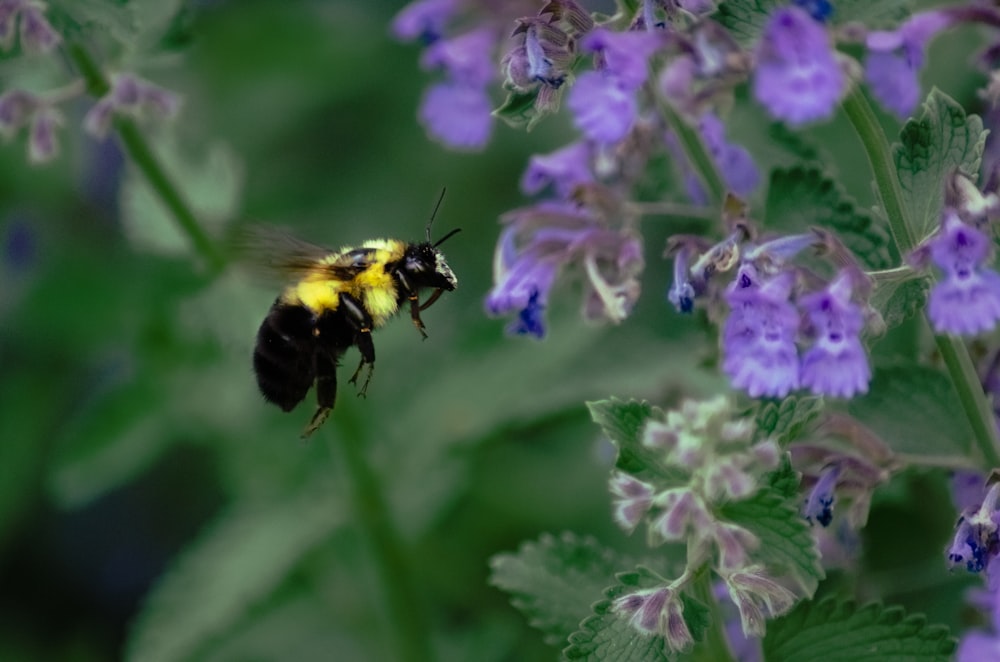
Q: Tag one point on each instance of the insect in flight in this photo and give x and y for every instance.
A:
(334, 300)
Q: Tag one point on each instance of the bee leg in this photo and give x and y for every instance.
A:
(362, 323)
(326, 392)
(415, 315)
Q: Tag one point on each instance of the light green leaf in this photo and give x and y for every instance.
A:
(803, 196)
(833, 630)
(622, 422)
(518, 110)
(930, 147)
(237, 562)
(788, 419)
(786, 545)
(915, 410)
(897, 300)
(555, 580)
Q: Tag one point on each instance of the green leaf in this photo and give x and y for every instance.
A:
(555, 580)
(913, 409)
(834, 630)
(608, 636)
(803, 196)
(785, 480)
(236, 563)
(898, 300)
(930, 147)
(746, 19)
(786, 545)
(786, 420)
(518, 110)
(622, 422)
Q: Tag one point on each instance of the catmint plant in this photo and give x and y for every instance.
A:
(799, 288)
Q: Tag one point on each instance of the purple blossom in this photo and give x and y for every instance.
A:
(734, 162)
(966, 301)
(563, 169)
(757, 597)
(633, 500)
(625, 55)
(975, 543)
(43, 145)
(818, 506)
(657, 611)
(466, 59)
(131, 96)
(895, 58)
(758, 338)
(682, 292)
(16, 110)
(603, 108)
(37, 35)
(798, 77)
(458, 115)
(424, 20)
(979, 645)
(523, 281)
(836, 365)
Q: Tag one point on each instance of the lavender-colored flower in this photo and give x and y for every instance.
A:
(683, 511)
(624, 55)
(759, 352)
(734, 162)
(979, 645)
(895, 58)
(603, 108)
(633, 500)
(682, 292)
(424, 20)
(818, 9)
(131, 96)
(16, 110)
(818, 506)
(37, 35)
(657, 611)
(43, 145)
(967, 489)
(758, 597)
(466, 59)
(798, 78)
(976, 542)
(523, 281)
(836, 364)
(458, 115)
(966, 301)
(563, 169)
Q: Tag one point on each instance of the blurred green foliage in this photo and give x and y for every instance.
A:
(152, 505)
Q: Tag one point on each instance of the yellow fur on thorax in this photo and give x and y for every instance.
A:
(373, 287)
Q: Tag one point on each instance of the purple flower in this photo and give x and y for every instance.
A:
(563, 169)
(43, 145)
(758, 598)
(966, 301)
(979, 645)
(819, 504)
(37, 35)
(682, 292)
(734, 162)
(16, 110)
(798, 77)
(465, 59)
(458, 115)
(836, 364)
(818, 9)
(976, 542)
(633, 500)
(895, 58)
(523, 281)
(625, 55)
(758, 338)
(603, 108)
(132, 96)
(424, 20)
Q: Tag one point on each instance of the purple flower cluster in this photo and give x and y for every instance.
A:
(759, 337)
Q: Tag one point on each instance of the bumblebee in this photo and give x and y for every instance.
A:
(334, 301)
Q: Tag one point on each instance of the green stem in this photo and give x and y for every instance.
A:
(406, 613)
(954, 352)
(138, 149)
(695, 151)
(714, 648)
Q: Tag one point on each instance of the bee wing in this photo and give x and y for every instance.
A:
(275, 255)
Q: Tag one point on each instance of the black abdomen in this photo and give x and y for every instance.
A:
(284, 358)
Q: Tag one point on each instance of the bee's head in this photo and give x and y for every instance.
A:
(426, 266)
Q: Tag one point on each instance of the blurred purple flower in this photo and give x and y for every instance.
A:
(130, 96)
(16, 110)
(603, 108)
(624, 55)
(895, 58)
(37, 35)
(682, 292)
(457, 115)
(424, 20)
(980, 645)
(818, 506)
(798, 78)
(836, 365)
(563, 169)
(976, 543)
(465, 59)
(43, 145)
(818, 9)
(734, 162)
(966, 301)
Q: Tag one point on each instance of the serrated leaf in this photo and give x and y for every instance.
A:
(914, 409)
(608, 636)
(788, 419)
(238, 561)
(785, 480)
(833, 630)
(803, 196)
(930, 147)
(897, 301)
(555, 580)
(622, 422)
(786, 544)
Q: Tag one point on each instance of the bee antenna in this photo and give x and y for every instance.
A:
(450, 234)
(434, 213)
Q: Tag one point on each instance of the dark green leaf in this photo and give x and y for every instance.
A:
(803, 196)
(915, 410)
(518, 109)
(833, 630)
(930, 147)
(785, 480)
(555, 580)
(622, 422)
(786, 545)
(788, 419)
(897, 300)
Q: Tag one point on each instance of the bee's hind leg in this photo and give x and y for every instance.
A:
(362, 323)
(326, 392)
